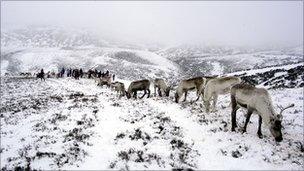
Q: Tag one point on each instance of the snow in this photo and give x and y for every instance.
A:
(217, 69)
(41, 116)
(4, 65)
(72, 124)
(52, 59)
(255, 71)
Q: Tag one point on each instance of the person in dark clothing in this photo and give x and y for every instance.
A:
(113, 77)
(70, 72)
(90, 73)
(99, 74)
(107, 73)
(95, 73)
(76, 74)
(41, 75)
(73, 73)
(80, 72)
(62, 72)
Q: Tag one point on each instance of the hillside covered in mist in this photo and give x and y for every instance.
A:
(51, 48)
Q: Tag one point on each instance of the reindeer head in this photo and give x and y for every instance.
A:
(177, 97)
(167, 91)
(275, 129)
(128, 94)
(276, 124)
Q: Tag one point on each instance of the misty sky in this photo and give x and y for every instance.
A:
(195, 22)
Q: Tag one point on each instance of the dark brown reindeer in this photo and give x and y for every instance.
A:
(190, 84)
(161, 86)
(140, 85)
(256, 100)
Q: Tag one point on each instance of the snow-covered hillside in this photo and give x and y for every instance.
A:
(197, 60)
(73, 124)
(49, 37)
(286, 76)
(29, 50)
(127, 63)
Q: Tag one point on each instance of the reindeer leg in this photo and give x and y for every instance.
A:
(155, 91)
(249, 113)
(199, 92)
(148, 93)
(215, 96)
(233, 113)
(135, 94)
(259, 129)
(144, 94)
(186, 92)
(159, 92)
(202, 92)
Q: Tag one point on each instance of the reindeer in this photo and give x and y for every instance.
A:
(104, 81)
(160, 84)
(190, 84)
(96, 79)
(119, 87)
(137, 86)
(215, 87)
(259, 101)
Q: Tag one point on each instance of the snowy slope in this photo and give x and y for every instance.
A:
(73, 124)
(262, 70)
(202, 60)
(141, 63)
(29, 49)
(51, 48)
(286, 76)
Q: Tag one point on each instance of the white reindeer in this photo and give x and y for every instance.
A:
(215, 87)
(119, 87)
(256, 100)
(161, 86)
(104, 81)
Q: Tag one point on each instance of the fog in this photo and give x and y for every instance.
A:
(170, 22)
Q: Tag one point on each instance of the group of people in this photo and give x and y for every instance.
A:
(76, 73)
(99, 74)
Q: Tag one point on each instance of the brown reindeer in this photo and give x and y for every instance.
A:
(256, 100)
(138, 86)
(190, 84)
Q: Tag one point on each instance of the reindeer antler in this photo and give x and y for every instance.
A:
(282, 109)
